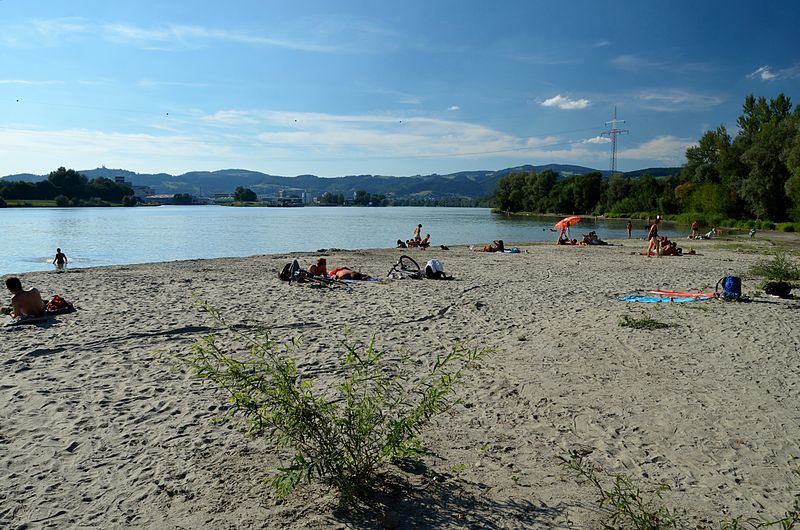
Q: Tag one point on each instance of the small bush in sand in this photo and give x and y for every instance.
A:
(628, 507)
(780, 268)
(344, 435)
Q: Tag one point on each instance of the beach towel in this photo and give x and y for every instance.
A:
(655, 299)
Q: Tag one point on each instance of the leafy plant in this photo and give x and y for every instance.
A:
(343, 435)
(626, 505)
(780, 268)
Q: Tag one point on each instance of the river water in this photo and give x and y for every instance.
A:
(114, 236)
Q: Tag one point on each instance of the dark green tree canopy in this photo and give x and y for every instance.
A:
(755, 175)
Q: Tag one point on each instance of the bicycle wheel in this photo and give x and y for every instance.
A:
(408, 264)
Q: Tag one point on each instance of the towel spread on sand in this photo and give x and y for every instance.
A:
(653, 299)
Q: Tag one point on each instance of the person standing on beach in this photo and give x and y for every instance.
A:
(695, 230)
(629, 227)
(417, 231)
(652, 237)
(60, 260)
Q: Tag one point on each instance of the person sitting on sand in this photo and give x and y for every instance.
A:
(401, 244)
(563, 239)
(346, 273)
(496, 246)
(24, 302)
(60, 260)
(319, 268)
(425, 242)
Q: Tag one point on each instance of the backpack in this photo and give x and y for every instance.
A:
(434, 270)
(779, 289)
(58, 306)
(289, 270)
(731, 287)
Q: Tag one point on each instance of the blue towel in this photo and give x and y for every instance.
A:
(654, 299)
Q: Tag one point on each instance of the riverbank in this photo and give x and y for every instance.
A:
(98, 429)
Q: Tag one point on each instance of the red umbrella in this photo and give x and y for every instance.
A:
(567, 221)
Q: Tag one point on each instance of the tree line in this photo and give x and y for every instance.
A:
(754, 175)
(68, 188)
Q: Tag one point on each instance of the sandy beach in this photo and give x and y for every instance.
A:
(98, 429)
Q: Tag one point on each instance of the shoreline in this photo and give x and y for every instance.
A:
(100, 429)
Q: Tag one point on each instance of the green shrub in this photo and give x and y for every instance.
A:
(788, 227)
(627, 507)
(345, 435)
(62, 200)
(780, 268)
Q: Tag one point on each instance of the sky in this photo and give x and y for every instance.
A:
(385, 88)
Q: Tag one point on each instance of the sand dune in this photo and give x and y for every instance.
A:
(98, 430)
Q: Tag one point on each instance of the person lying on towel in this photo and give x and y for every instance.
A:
(346, 273)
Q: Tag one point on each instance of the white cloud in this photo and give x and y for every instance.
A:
(665, 149)
(27, 82)
(766, 73)
(453, 107)
(565, 103)
(633, 62)
(677, 100)
(597, 140)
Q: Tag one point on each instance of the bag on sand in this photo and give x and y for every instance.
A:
(434, 270)
(58, 306)
(289, 270)
(779, 289)
(731, 287)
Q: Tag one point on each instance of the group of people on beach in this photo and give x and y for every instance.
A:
(588, 239)
(417, 241)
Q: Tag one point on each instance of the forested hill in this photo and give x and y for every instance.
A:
(472, 184)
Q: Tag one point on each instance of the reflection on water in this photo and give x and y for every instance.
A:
(110, 236)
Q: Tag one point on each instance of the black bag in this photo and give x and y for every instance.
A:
(779, 289)
(289, 270)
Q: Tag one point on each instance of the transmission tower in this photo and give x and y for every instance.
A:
(612, 133)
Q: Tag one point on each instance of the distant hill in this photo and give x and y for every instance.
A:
(472, 184)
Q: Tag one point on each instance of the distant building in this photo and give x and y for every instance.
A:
(140, 192)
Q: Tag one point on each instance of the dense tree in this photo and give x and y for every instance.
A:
(69, 182)
(182, 198)
(242, 194)
(754, 175)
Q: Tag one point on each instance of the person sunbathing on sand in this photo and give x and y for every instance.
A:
(401, 244)
(319, 268)
(496, 246)
(25, 302)
(346, 273)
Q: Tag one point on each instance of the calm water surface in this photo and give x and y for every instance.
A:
(115, 236)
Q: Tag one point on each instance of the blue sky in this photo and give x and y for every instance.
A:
(391, 88)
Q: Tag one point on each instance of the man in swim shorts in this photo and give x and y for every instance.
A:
(24, 302)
